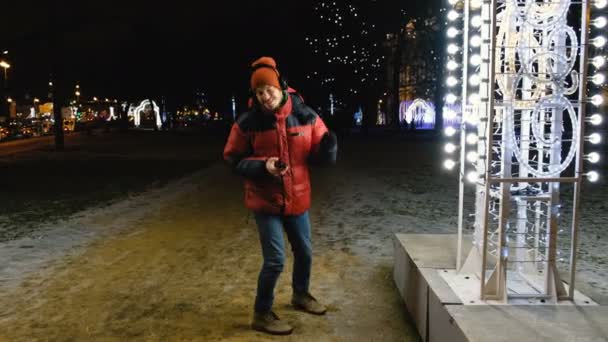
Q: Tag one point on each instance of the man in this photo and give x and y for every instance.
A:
(271, 146)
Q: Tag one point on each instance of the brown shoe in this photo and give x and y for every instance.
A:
(306, 302)
(270, 323)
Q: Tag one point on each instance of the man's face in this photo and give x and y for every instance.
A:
(269, 97)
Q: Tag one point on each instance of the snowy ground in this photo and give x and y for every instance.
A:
(180, 261)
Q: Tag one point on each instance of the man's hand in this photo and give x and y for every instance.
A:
(273, 167)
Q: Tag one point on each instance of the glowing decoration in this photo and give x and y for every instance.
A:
(452, 32)
(471, 118)
(598, 61)
(144, 107)
(449, 114)
(598, 79)
(450, 148)
(593, 157)
(599, 42)
(596, 119)
(593, 176)
(449, 131)
(476, 41)
(599, 22)
(473, 176)
(451, 98)
(595, 138)
(358, 117)
(526, 66)
(452, 49)
(472, 157)
(451, 81)
(474, 80)
(449, 164)
(112, 114)
(345, 50)
(476, 21)
(452, 65)
(419, 112)
(452, 15)
(474, 99)
(475, 60)
(597, 100)
(472, 139)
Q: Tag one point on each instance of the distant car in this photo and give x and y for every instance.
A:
(26, 131)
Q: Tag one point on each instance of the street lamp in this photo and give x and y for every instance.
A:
(4, 65)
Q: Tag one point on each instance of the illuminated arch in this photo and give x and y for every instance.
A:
(419, 111)
(136, 112)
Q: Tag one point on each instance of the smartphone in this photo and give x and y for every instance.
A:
(279, 164)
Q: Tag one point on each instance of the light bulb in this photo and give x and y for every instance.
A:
(449, 164)
(475, 4)
(452, 15)
(598, 79)
(450, 98)
(598, 61)
(450, 148)
(472, 139)
(449, 114)
(475, 41)
(599, 22)
(595, 119)
(599, 41)
(474, 99)
(593, 157)
(452, 65)
(593, 176)
(476, 21)
(595, 138)
(452, 49)
(452, 32)
(472, 119)
(473, 176)
(452, 2)
(472, 156)
(475, 60)
(450, 131)
(600, 3)
(474, 80)
(597, 100)
(451, 81)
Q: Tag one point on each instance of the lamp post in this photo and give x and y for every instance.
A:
(4, 105)
(77, 93)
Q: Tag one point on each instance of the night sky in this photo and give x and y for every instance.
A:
(130, 49)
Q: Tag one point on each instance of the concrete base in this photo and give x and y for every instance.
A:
(440, 315)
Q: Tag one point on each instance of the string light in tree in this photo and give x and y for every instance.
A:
(352, 58)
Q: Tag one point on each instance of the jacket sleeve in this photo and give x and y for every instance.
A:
(324, 144)
(238, 154)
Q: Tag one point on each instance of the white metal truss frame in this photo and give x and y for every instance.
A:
(530, 110)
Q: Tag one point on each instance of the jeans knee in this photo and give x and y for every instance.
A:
(305, 255)
(273, 266)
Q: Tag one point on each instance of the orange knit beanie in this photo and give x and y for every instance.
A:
(265, 74)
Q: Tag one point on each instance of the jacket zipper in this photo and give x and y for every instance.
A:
(282, 181)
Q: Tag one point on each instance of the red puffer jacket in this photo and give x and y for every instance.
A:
(297, 136)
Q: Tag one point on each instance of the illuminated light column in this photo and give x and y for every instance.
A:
(524, 108)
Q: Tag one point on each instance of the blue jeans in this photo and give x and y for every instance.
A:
(270, 228)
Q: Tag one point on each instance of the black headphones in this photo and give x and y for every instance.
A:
(282, 80)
